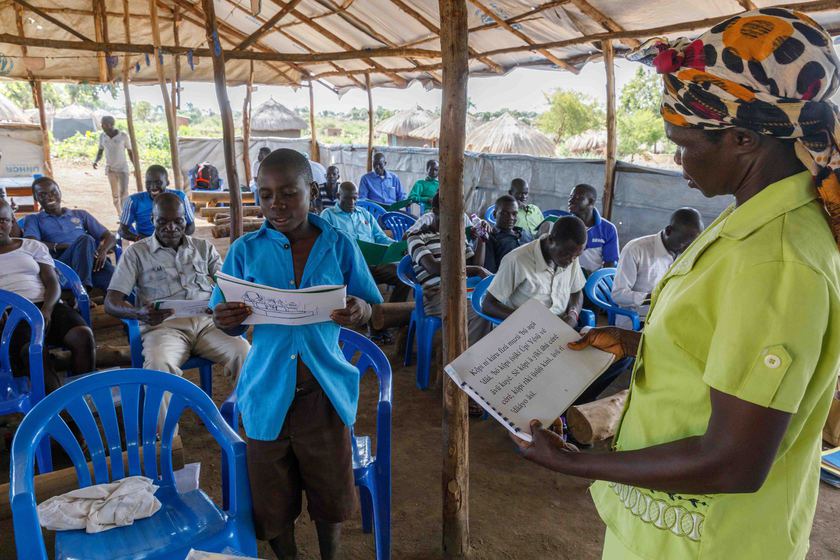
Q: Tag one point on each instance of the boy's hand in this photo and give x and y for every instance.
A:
(230, 315)
(356, 312)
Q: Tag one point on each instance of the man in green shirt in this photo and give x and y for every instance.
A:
(530, 216)
(424, 189)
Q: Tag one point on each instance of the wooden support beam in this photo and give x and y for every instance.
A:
(51, 19)
(99, 34)
(269, 23)
(171, 122)
(603, 20)
(455, 479)
(176, 83)
(38, 95)
(228, 139)
(370, 123)
(544, 52)
(609, 165)
(129, 112)
(748, 5)
(246, 126)
(314, 153)
(405, 7)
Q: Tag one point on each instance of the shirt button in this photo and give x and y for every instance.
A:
(291, 282)
(286, 246)
(772, 361)
(292, 357)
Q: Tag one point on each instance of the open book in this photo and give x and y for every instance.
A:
(523, 370)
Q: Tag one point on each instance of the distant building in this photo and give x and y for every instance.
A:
(273, 119)
(399, 127)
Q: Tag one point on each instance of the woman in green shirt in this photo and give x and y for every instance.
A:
(717, 454)
(424, 189)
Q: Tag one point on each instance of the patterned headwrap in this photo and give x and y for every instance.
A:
(772, 71)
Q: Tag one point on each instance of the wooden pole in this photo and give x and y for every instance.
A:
(609, 169)
(455, 479)
(228, 140)
(129, 113)
(246, 126)
(314, 153)
(38, 94)
(370, 123)
(98, 8)
(176, 83)
(171, 123)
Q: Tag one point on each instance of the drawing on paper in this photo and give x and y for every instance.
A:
(276, 307)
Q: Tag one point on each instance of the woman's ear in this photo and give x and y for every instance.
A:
(742, 140)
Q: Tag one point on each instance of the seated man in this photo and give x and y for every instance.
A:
(601, 235)
(547, 270)
(424, 189)
(504, 236)
(73, 236)
(136, 219)
(328, 191)
(645, 260)
(530, 216)
(425, 250)
(380, 185)
(170, 265)
(28, 272)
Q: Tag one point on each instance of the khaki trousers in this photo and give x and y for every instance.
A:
(119, 188)
(168, 345)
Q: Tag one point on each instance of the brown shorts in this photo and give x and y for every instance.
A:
(312, 454)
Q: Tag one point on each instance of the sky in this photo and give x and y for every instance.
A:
(523, 89)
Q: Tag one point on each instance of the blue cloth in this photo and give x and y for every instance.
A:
(266, 385)
(80, 256)
(137, 212)
(382, 190)
(66, 228)
(358, 224)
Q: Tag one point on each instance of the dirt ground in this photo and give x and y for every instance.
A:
(517, 510)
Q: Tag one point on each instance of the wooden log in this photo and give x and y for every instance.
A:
(171, 122)
(129, 112)
(212, 198)
(228, 133)
(224, 220)
(211, 213)
(314, 154)
(370, 123)
(268, 25)
(387, 315)
(598, 420)
(106, 357)
(455, 475)
(609, 160)
(59, 482)
(38, 94)
(246, 126)
(99, 34)
(221, 231)
(51, 19)
(176, 83)
(101, 320)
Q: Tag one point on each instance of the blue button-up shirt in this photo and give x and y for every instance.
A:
(65, 228)
(138, 209)
(358, 224)
(382, 190)
(267, 381)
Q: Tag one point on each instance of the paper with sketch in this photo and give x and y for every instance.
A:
(522, 370)
(273, 306)
(184, 307)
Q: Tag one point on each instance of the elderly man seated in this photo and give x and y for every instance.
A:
(645, 260)
(170, 265)
(73, 236)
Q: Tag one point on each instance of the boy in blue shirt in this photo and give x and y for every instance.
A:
(136, 218)
(297, 393)
(601, 235)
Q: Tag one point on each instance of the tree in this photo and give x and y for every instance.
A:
(381, 113)
(143, 110)
(20, 93)
(89, 95)
(643, 92)
(639, 124)
(570, 113)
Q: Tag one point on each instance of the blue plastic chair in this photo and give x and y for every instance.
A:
(375, 209)
(488, 215)
(185, 521)
(397, 222)
(118, 248)
(586, 319)
(598, 289)
(69, 280)
(555, 213)
(20, 394)
(421, 325)
(372, 472)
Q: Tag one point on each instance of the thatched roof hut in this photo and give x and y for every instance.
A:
(9, 112)
(430, 132)
(588, 142)
(399, 127)
(508, 135)
(274, 119)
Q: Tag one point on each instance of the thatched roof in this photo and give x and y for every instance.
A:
(9, 112)
(272, 115)
(431, 131)
(508, 135)
(588, 142)
(404, 122)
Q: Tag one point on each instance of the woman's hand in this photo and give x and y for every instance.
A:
(621, 343)
(228, 316)
(545, 448)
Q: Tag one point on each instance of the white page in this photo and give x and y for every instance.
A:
(522, 370)
(184, 307)
(273, 306)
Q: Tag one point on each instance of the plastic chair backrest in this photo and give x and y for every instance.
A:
(405, 272)
(69, 280)
(598, 289)
(555, 213)
(478, 296)
(488, 215)
(375, 209)
(15, 309)
(140, 393)
(397, 222)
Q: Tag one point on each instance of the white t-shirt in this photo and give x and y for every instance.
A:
(429, 217)
(523, 274)
(21, 273)
(643, 263)
(115, 156)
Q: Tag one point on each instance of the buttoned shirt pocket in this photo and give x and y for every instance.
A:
(154, 284)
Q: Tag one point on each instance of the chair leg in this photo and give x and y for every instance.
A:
(206, 375)
(366, 505)
(425, 337)
(409, 342)
(382, 521)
